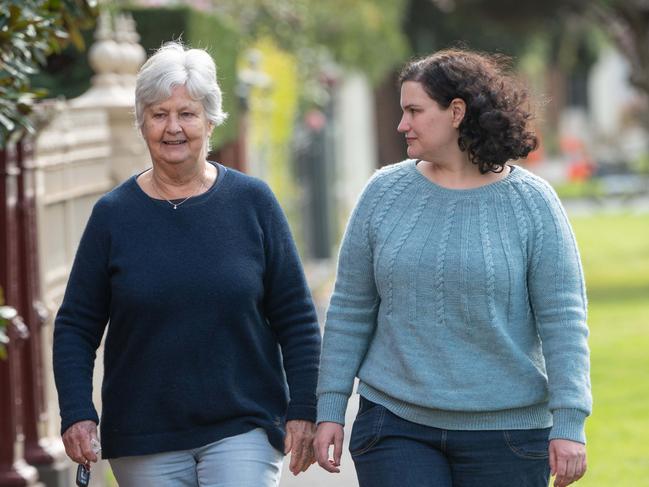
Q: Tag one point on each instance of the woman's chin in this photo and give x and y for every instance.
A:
(412, 153)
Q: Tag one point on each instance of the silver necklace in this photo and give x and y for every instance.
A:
(176, 205)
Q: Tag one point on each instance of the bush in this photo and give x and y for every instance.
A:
(29, 31)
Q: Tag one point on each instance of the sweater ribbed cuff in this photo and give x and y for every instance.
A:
(72, 417)
(301, 411)
(332, 407)
(568, 424)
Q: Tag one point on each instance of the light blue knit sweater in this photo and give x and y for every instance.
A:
(459, 309)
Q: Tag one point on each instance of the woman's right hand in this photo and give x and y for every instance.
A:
(78, 440)
(329, 434)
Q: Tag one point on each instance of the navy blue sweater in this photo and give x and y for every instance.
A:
(212, 328)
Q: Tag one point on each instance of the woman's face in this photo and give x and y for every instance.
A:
(431, 131)
(176, 130)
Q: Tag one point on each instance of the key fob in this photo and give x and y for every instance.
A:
(83, 476)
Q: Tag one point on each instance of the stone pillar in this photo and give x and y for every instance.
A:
(116, 57)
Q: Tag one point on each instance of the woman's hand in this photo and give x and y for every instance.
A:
(78, 440)
(329, 434)
(567, 461)
(299, 442)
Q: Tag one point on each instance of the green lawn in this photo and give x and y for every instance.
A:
(615, 253)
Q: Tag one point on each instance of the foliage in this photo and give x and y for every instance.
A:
(495, 25)
(364, 34)
(29, 31)
(6, 314)
(272, 115)
(626, 23)
(615, 253)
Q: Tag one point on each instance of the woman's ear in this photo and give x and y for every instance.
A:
(458, 110)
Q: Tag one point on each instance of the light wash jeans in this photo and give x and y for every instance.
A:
(246, 460)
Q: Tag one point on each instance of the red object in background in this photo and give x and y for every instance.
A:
(580, 170)
(315, 120)
(571, 144)
(580, 165)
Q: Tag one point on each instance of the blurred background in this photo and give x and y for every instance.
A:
(310, 87)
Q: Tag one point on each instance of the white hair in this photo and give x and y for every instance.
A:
(174, 65)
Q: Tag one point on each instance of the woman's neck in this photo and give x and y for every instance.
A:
(172, 182)
(458, 174)
(178, 175)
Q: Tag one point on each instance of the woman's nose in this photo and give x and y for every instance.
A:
(403, 126)
(173, 126)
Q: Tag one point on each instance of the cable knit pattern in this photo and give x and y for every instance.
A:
(394, 192)
(489, 263)
(439, 271)
(520, 218)
(459, 309)
(404, 236)
(538, 226)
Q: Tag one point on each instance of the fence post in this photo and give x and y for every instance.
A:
(14, 471)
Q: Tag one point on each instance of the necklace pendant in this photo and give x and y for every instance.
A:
(175, 206)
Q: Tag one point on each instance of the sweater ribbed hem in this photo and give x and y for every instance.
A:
(569, 425)
(332, 407)
(530, 417)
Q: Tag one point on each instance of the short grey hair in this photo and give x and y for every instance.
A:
(175, 65)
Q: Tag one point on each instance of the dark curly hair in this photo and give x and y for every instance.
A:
(495, 128)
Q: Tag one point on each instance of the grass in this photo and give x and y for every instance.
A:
(615, 253)
(591, 188)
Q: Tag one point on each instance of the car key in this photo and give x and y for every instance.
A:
(83, 475)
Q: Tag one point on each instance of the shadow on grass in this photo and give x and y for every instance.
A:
(618, 293)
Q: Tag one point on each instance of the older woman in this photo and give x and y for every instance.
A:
(212, 343)
(459, 301)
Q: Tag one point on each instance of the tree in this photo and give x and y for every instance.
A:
(363, 34)
(29, 31)
(626, 22)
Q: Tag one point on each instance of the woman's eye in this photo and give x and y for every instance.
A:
(187, 114)
(158, 115)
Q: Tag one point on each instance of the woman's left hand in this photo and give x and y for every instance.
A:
(567, 461)
(299, 443)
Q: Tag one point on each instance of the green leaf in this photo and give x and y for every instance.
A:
(7, 123)
(8, 312)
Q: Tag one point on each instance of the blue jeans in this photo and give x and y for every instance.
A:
(246, 460)
(389, 451)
